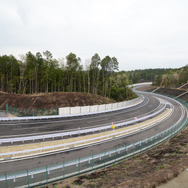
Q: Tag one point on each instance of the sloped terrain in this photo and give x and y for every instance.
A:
(166, 91)
(173, 92)
(51, 100)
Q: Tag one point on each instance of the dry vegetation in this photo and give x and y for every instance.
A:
(51, 100)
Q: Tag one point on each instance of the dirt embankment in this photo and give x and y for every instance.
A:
(51, 100)
(173, 92)
(167, 91)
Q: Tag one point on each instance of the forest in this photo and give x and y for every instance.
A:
(146, 75)
(39, 73)
(172, 77)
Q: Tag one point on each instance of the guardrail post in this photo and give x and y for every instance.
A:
(46, 174)
(79, 166)
(7, 108)
(124, 151)
(6, 180)
(28, 177)
(115, 156)
(104, 158)
(92, 162)
(63, 169)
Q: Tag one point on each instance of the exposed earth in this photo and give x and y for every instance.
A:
(167, 91)
(51, 100)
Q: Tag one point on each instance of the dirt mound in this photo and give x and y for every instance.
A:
(166, 91)
(173, 92)
(51, 100)
(185, 87)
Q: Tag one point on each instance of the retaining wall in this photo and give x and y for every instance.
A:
(98, 108)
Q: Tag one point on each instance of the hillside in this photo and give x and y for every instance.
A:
(174, 92)
(51, 100)
(173, 78)
(146, 75)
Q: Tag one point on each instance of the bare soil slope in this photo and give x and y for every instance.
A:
(173, 92)
(166, 91)
(51, 100)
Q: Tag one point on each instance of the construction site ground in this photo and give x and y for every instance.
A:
(51, 100)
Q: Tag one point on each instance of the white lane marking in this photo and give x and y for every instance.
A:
(77, 131)
(85, 127)
(182, 110)
(82, 146)
(68, 120)
(106, 137)
(85, 117)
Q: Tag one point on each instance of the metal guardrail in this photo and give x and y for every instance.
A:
(34, 177)
(141, 84)
(44, 175)
(132, 102)
(141, 127)
(77, 132)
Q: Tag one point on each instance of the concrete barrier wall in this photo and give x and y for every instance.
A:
(102, 107)
(85, 109)
(108, 106)
(65, 110)
(125, 104)
(114, 105)
(97, 108)
(94, 108)
(76, 110)
(120, 104)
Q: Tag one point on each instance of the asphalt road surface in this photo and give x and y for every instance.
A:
(36, 127)
(150, 104)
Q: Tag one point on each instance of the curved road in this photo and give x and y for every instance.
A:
(151, 103)
(35, 127)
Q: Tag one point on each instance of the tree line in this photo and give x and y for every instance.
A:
(36, 73)
(173, 77)
(146, 75)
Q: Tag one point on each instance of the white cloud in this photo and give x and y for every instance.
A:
(141, 34)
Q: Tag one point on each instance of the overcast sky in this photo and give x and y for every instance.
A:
(139, 33)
